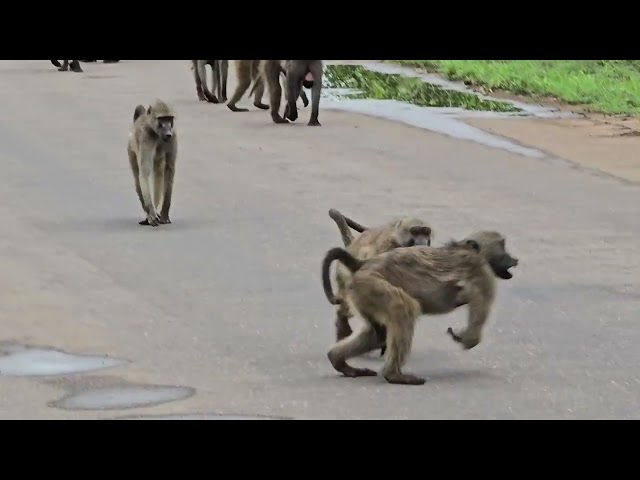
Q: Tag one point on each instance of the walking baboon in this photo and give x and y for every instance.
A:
(297, 73)
(395, 288)
(249, 71)
(219, 71)
(152, 149)
(403, 232)
(66, 64)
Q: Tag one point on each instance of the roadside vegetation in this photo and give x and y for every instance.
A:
(604, 86)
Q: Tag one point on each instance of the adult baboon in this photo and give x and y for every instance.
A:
(219, 71)
(152, 149)
(298, 73)
(66, 64)
(402, 232)
(249, 71)
(395, 288)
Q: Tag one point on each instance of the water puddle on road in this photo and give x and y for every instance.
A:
(356, 81)
(17, 360)
(124, 397)
(424, 101)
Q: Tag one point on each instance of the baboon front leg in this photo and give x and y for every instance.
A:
(169, 172)
(400, 327)
(196, 78)
(259, 93)
(224, 74)
(243, 74)
(316, 71)
(145, 164)
(158, 185)
(202, 72)
(272, 79)
(355, 345)
(477, 317)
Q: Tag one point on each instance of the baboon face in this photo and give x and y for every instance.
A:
(412, 232)
(164, 128)
(492, 246)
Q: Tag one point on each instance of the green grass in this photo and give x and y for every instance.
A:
(605, 86)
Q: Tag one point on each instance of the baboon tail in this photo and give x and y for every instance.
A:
(348, 260)
(138, 111)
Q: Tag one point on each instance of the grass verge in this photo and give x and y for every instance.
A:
(604, 86)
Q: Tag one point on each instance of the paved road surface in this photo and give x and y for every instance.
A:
(228, 300)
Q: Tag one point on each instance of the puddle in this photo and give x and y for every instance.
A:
(124, 397)
(199, 416)
(24, 361)
(424, 101)
(361, 82)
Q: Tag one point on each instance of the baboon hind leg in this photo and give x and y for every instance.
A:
(223, 74)
(75, 66)
(133, 161)
(196, 77)
(355, 345)
(243, 74)
(343, 329)
(169, 173)
(272, 78)
(345, 231)
(316, 71)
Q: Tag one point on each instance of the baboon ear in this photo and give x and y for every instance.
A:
(474, 245)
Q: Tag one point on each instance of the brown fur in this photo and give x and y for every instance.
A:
(295, 72)
(74, 64)
(152, 150)
(219, 71)
(395, 288)
(402, 232)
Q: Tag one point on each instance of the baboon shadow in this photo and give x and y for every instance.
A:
(454, 376)
(123, 225)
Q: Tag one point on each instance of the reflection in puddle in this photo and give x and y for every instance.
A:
(117, 398)
(393, 86)
(24, 361)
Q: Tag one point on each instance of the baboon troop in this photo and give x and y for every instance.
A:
(402, 232)
(389, 274)
(152, 149)
(394, 288)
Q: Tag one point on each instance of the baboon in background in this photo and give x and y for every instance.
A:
(395, 288)
(152, 149)
(66, 64)
(403, 232)
(249, 71)
(219, 71)
(298, 73)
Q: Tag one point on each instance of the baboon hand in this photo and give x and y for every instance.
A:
(467, 343)
(314, 122)
(291, 113)
(164, 219)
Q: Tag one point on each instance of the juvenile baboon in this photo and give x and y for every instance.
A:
(219, 71)
(248, 71)
(395, 288)
(297, 74)
(403, 232)
(74, 64)
(152, 149)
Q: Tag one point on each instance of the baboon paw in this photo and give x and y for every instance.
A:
(150, 220)
(279, 119)
(467, 343)
(261, 106)
(404, 379)
(62, 69)
(305, 102)
(291, 113)
(164, 220)
(233, 108)
(314, 122)
(353, 372)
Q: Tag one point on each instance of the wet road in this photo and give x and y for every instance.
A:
(227, 300)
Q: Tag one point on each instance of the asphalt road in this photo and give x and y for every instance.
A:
(228, 301)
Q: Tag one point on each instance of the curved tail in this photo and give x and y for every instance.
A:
(348, 260)
(140, 109)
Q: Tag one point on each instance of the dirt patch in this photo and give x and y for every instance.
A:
(608, 144)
